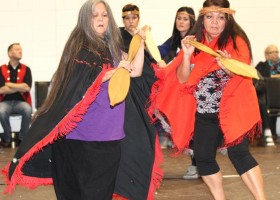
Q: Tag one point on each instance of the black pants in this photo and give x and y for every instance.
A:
(85, 170)
(208, 137)
(264, 115)
(273, 120)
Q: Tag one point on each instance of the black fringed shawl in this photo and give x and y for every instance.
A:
(31, 165)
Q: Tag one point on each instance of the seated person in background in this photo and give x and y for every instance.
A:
(15, 85)
(266, 139)
(270, 68)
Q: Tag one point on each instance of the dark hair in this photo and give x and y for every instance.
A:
(175, 39)
(80, 36)
(192, 19)
(130, 7)
(11, 45)
(176, 36)
(231, 30)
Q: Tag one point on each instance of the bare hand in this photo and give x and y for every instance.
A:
(162, 64)
(126, 64)
(224, 54)
(141, 32)
(187, 48)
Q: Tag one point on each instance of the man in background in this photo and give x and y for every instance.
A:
(15, 85)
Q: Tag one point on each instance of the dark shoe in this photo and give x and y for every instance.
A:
(5, 144)
(18, 142)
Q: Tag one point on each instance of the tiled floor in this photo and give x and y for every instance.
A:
(176, 188)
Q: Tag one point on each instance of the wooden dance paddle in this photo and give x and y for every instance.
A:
(152, 47)
(233, 65)
(120, 81)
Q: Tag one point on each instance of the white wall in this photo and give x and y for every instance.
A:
(43, 26)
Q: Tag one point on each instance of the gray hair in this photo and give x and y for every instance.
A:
(112, 35)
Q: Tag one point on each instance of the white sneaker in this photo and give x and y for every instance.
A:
(222, 150)
(269, 141)
(164, 144)
(268, 138)
(191, 173)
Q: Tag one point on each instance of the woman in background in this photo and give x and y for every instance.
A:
(139, 174)
(183, 23)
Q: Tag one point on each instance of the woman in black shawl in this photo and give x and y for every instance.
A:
(59, 148)
(138, 174)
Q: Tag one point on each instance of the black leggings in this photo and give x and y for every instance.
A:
(208, 137)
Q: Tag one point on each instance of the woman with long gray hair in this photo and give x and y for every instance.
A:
(74, 140)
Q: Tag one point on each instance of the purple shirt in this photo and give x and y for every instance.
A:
(102, 122)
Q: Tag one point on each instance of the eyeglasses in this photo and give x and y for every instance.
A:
(272, 52)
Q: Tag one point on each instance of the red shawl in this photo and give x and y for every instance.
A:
(239, 111)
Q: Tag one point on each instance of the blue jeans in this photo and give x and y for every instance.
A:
(8, 108)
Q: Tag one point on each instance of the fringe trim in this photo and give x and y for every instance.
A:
(118, 197)
(27, 181)
(187, 88)
(157, 86)
(256, 130)
(159, 72)
(177, 152)
(157, 172)
(5, 172)
(66, 125)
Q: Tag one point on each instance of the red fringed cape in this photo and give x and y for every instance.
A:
(239, 111)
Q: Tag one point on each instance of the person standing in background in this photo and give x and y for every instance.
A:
(131, 19)
(139, 174)
(15, 85)
(183, 23)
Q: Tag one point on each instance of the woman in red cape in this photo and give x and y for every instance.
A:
(205, 101)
